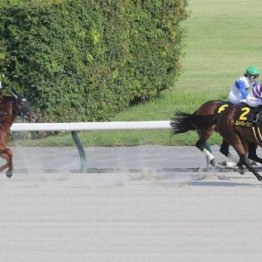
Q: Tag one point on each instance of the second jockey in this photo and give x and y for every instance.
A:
(254, 99)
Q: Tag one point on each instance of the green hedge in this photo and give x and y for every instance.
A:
(80, 60)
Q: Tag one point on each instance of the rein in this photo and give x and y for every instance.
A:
(257, 135)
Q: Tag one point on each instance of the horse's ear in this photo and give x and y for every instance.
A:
(13, 94)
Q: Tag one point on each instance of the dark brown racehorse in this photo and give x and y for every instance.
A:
(10, 107)
(233, 124)
(184, 122)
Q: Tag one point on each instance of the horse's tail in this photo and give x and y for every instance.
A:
(183, 122)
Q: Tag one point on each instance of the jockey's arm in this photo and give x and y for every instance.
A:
(241, 86)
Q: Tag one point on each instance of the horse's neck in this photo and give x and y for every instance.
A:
(7, 116)
(6, 98)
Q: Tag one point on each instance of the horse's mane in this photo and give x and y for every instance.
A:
(5, 98)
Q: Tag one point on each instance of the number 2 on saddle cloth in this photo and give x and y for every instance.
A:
(248, 116)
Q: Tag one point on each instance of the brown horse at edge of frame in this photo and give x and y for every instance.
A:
(10, 107)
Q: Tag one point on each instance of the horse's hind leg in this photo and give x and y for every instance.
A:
(205, 148)
(202, 145)
(224, 149)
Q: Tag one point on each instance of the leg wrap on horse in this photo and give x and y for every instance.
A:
(203, 146)
(209, 155)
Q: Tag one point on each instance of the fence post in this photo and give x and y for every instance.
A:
(81, 151)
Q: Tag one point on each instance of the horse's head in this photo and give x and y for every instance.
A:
(23, 109)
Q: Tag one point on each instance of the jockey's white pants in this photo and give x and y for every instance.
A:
(253, 101)
(235, 98)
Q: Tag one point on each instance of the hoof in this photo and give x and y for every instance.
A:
(9, 173)
(241, 171)
(212, 162)
(250, 162)
(259, 178)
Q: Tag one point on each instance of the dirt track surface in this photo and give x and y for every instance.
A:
(140, 215)
(153, 158)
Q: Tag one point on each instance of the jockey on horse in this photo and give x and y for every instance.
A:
(239, 91)
(183, 122)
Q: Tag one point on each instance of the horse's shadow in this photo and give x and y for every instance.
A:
(221, 184)
(223, 181)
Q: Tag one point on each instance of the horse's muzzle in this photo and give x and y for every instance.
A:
(31, 117)
(34, 119)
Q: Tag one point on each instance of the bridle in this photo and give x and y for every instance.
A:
(21, 111)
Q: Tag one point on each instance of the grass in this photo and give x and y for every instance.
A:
(223, 37)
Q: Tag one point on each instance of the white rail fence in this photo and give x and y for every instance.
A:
(81, 126)
(89, 126)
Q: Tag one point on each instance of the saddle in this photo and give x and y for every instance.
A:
(247, 116)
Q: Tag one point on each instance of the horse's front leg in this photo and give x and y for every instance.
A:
(240, 165)
(9, 172)
(252, 153)
(6, 158)
(7, 155)
(224, 149)
(244, 160)
(242, 149)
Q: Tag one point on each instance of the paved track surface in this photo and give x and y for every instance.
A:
(150, 214)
